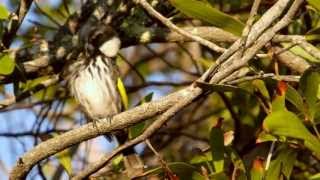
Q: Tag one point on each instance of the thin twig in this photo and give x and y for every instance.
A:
(47, 15)
(170, 25)
(270, 155)
(133, 68)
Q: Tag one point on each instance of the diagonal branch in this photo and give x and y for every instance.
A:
(145, 135)
(88, 131)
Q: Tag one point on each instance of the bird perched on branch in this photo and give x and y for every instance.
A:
(92, 80)
(92, 77)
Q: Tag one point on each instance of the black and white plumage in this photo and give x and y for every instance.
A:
(93, 78)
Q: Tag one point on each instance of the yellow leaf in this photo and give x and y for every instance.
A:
(123, 93)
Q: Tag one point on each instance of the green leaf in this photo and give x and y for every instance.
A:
(4, 13)
(34, 85)
(198, 159)
(315, 4)
(296, 99)
(315, 177)
(116, 161)
(278, 104)
(211, 2)
(282, 164)
(206, 63)
(6, 64)
(261, 87)
(183, 170)
(217, 149)
(285, 123)
(309, 87)
(147, 98)
(137, 129)
(123, 93)
(203, 11)
(219, 176)
(301, 52)
(237, 163)
(264, 137)
(220, 88)
(64, 158)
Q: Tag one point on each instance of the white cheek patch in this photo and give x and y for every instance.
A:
(111, 47)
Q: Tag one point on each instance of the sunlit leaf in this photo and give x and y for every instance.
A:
(64, 157)
(116, 161)
(264, 137)
(285, 123)
(315, 4)
(206, 157)
(315, 177)
(7, 64)
(301, 52)
(34, 85)
(228, 138)
(123, 93)
(4, 13)
(206, 63)
(205, 12)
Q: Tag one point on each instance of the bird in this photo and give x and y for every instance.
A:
(92, 77)
(92, 81)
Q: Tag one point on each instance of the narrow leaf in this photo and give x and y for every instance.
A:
(137, 129)
(220, 87)
(217, 148)
(309, 87)
(203, 11)
(64, 157)
(261, 87)
(123, 93)
(301, 52)
(296, 99)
